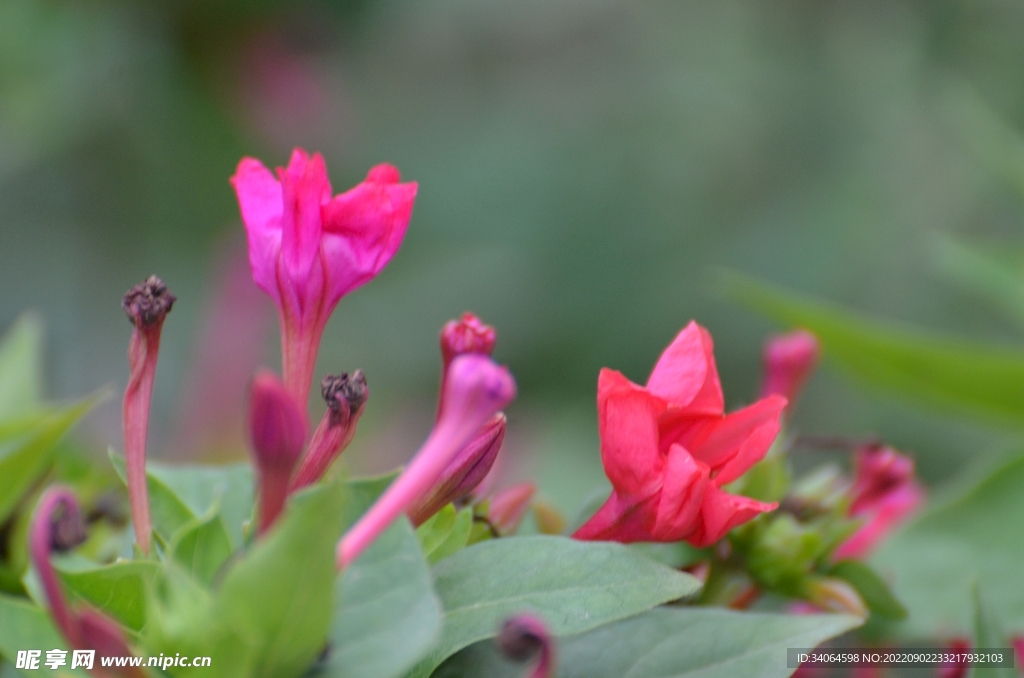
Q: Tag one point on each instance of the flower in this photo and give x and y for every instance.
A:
(307, 249)
(884, 494)
(668, 448)
(789, 360)
(146, 305)
(277, 429)
(476, 389)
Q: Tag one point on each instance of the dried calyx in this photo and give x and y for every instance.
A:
(148, 302)
(344, 389)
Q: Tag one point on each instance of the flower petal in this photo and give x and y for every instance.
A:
(720, 512)
(889, 513)
(732, 444)
(628, 425)
(259, 198)
(682, 493)
(621, 520)
(364, 227)
(304, 187)
(686, 376)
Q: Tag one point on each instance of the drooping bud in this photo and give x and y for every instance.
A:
(835, 595)
(146, 306)
(458, 337)
(525, 637)
(885, 493)
(277, 430)
(789, 360)
(346, 397)
(476, 389)
(508, 508)
(469, 467)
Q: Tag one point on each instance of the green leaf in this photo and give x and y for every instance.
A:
(971, 377)
(446, 532)
(24, 626)
(21, 360)
(696, 642)
(971, 537)
(118, 589)
(168, 514)
(871, 587)
(988, 634)
(990, 279)
(25, 460)
(386, 614)
(202, 547)
(574, 585)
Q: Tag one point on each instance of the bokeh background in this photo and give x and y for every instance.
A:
(585, 168)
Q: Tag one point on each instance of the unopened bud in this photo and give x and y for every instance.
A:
(789, 360)
(549, 519)
(835, 595)
(476, 388)
(148, 302)
(878, 470)
(509, 506)
(470, 466)
(467, 335)
(67, 529)
(277, 430)
(525, 637)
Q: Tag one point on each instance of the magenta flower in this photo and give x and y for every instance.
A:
(476, 389)
(885, 494)
(789, 361)
(308, 249)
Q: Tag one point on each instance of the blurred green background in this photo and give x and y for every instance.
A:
(585, 168)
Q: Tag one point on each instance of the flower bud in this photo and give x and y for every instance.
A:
(277, 430)
(146, 306)
(346, 397)
(470, 466)
(956, 669)
(789, 360)
(508, 507)
(476, 389)
(525, 637)
(467, 335)
(835, 595)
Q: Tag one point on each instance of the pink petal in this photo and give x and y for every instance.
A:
(732, 444)
(304, 188)
(890, 513)
(721, 511)
(682, 493)
(260, 201)
(628, 426)
(364, 227)
(686, 375)
(621, 520)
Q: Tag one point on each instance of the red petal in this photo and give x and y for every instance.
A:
(732, 444)
(682, 493)
(686, 375)
(628, 425)
(721, 511)
(621, 520)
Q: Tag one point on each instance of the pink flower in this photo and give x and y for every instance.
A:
(307, 249)
(668, 448)
(885, 493)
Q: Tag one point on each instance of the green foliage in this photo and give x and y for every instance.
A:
(21, 360)
(119, 589)
(873, 590)
(574, 586)
(271, 613)
(988, 634)
(24, 626)
(971, 377)
(679, 642)
(969, 538)
(445, 532)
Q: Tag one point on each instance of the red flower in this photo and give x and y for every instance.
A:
(668, 448)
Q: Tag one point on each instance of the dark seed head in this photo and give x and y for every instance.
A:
(148, 302)
(345, 387)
